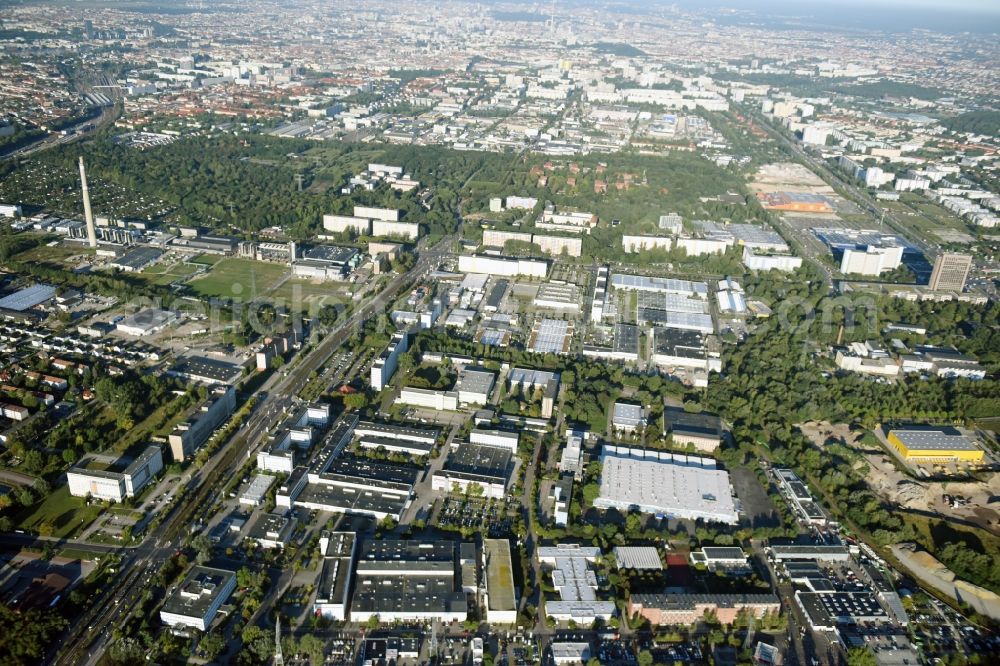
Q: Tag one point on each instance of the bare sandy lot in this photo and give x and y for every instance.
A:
(981, 498)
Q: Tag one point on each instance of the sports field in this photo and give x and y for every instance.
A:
(164, 274)
(242, 278)
(302, 295)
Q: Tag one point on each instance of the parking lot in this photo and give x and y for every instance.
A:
(492, 517)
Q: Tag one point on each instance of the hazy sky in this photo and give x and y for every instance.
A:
(992, 6)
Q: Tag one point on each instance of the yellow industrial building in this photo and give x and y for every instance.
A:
(935, 445)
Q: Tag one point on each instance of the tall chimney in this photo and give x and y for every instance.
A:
(87, 213)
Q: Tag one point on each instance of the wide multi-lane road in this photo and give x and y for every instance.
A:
(90, 634)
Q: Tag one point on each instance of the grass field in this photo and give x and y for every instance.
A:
(164, 274)
(301, 295)
(207, 259)
(67, 514)
(923, 217)
(243, 278)
(56, 255)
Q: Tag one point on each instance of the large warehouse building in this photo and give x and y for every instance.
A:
(935, 445)
(666, 484)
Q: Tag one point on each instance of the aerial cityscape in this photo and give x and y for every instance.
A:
(622, 333)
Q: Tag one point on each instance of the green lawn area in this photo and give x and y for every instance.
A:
(302, 294)
(74, 554)
(207, 259)
(67, 514)
(164, 274)
(243, 278)
(55, 255)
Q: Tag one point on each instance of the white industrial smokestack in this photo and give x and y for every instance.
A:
(87, 213)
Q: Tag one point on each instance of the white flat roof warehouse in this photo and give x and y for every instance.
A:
(662, 483)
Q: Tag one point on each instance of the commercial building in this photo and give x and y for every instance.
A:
(571, 459)
(338, 550)
(195, 602)
(350, 485)
(576, 584)
(795, 202)
(565, 652)
(558, 296)
(682, 348)
(116, 486)
(397, 438)
(950, 272)
(872, 260)
(702, 431)
(600, 296)
(665, 484)
(499, 598)
(500, 438)
(469, 465)
(327, 262)
(934, 445)
(474, 385)
(205, 370)
(401, 581)
(136, 259)
(298, 432)
(256, 490)
(385, 365)
(550, 336)
(272, 530)
(27, 298)
(626, 417)
(828, 610)
(820, 553)
(428, 398)
(657, 284)
(146, 322)
(193, 432)
(561, 494)
(528, 380)
(766, 262)
(645, 558)
(729, 559)
(509, 267)
(687, 609)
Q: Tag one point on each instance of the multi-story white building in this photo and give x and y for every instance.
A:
(197, 600)
(386, 214)
(385, 366)
(342, 223)
(873, 260)
(116, 486)
(473, 263)
(387, 228)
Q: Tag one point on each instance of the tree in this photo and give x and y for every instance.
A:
(645, 658)
(372, 623)
(25, 636)
(861, 656)
(212, 644)
(313, 646)
(203, 548)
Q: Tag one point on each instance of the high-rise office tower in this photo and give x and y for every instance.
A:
(950, 272)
